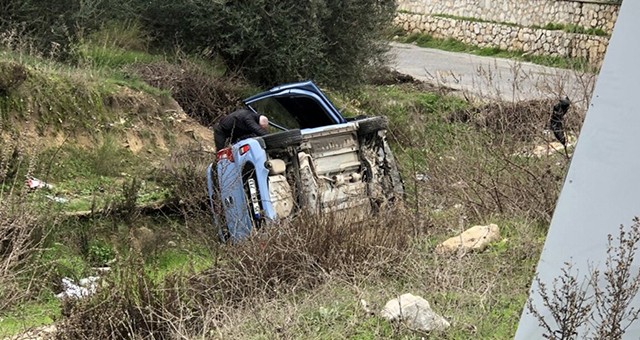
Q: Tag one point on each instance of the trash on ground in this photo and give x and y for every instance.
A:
(57, 199)
(34, 183)
(85, 287)
(421, 177)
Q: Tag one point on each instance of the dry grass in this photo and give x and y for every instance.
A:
(290, 258)
(481, 158)
(24, 224)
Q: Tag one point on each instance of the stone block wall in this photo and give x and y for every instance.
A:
(512, 24)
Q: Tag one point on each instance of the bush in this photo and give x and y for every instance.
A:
(280, 41)
(53, 26)
(268, 41)
(200, 94)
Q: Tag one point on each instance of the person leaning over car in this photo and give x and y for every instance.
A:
(240, 124)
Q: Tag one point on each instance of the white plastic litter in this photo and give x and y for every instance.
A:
(84, 288)
(57, 199)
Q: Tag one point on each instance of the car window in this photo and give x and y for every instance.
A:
(293, 112)
(276, 113)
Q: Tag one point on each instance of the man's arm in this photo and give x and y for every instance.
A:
(250, 120)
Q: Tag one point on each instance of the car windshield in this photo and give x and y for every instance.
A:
(293, 112)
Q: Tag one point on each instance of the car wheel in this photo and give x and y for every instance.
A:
(393, 172)
(282, 139)
(371, 125)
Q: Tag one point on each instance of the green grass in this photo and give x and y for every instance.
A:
(413, 113)
(184, 259)
(113, 57)
(472, 19)
(64, 261)
(89, 177)
(573, 28)
(452, 45)
(29, 315)
(482, 295)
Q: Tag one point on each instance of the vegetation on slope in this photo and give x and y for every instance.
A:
(103, 122)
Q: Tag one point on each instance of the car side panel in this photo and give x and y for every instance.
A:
(232, 193)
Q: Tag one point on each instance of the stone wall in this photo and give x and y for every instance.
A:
(588, 14)
(514, 24)
(511, 38)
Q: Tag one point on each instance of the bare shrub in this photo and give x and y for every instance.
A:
(523, 121)
(598, 305)
(11, 76)
(23, 227)
(570, 305)
(482, 158)
(301, 253)
(184, 173)
(613, 310)
(201, 95)
(130, 305)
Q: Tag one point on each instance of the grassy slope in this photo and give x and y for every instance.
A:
(91, 131)
(482, 294)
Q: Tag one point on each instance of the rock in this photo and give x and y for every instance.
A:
(415, 312)
(146, 239)
(476, 238)
(547, 150)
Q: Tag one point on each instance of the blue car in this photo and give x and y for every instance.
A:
(316, 161)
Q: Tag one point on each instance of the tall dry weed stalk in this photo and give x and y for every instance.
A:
(23, 227)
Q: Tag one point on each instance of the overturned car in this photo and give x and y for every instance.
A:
(319, 161)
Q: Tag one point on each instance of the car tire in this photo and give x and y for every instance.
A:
(281, 140)
(372, 125)
(217, 209)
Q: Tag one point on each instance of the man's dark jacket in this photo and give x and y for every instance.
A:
(237, 125)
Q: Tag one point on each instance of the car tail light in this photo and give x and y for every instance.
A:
(244, 149)
(225, 153)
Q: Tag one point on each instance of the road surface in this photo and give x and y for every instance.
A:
(491, 78)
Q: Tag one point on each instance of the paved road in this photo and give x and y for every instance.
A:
(487, 77)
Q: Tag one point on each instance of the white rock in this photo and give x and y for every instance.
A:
(415, 312)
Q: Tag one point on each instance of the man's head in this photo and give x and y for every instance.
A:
(264, 123)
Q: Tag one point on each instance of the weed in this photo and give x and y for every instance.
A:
(297, 256)
(573, 28)
(472, 19)
(12, 75)
(29, 315)
(24, 226)
(100, 253)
